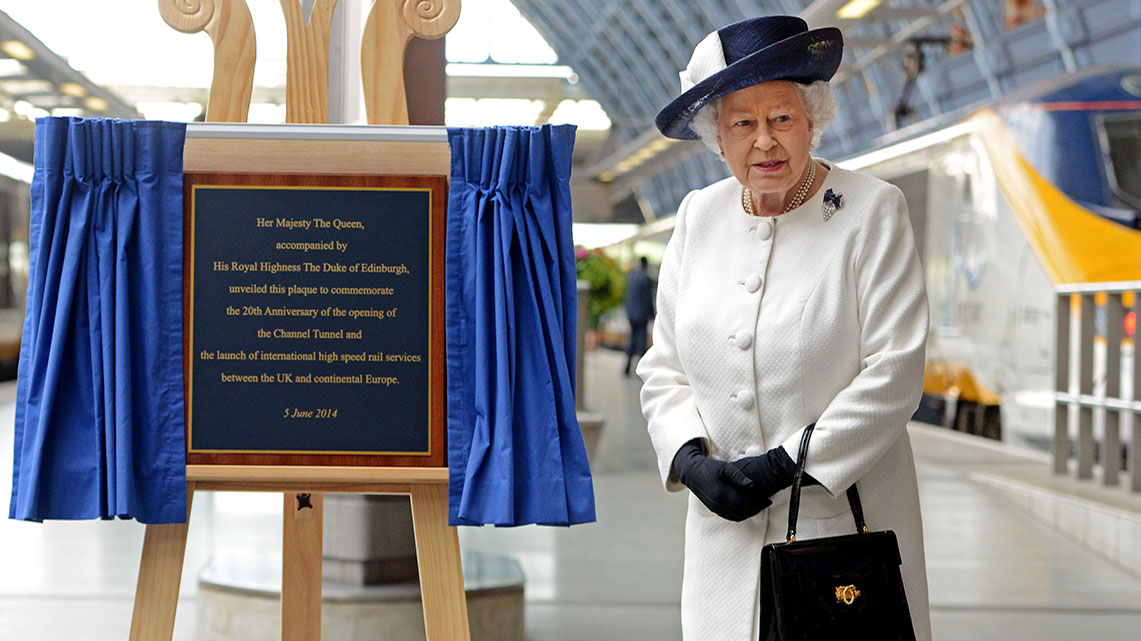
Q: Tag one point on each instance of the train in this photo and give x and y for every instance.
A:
(1040, 189)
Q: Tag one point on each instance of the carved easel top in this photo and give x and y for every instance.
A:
(390, 25)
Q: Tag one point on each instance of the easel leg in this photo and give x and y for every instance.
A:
(438, 555)
(160, 572)
(301, 567)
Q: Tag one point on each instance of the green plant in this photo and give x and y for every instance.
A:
(606, 278)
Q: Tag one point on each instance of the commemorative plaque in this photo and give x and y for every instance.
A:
(315, 319)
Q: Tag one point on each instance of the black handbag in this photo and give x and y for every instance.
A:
(834, 588)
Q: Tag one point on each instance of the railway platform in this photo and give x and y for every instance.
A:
(1013, 552)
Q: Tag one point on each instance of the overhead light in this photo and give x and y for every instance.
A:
(95, 103)
(624, 166)
(586, 114)
(660, 144)
(27, 86)
(11, 67)
(486, 112)
(857, 9)
(18, 50)
(28, 110)
(606, 176)
(73, 89)
(495, 70)
(23, 108)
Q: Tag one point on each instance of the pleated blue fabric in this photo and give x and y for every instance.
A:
(515, 452)
(100, 428)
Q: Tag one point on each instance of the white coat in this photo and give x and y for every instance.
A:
(764, 326)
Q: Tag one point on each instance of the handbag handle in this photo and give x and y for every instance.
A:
(797, 481)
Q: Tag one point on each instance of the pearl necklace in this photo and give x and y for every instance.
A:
(797, 200)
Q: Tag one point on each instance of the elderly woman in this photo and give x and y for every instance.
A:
(790, 293)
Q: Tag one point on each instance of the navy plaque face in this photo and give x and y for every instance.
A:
(313, 319)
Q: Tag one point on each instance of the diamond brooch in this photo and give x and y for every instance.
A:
(831, 203)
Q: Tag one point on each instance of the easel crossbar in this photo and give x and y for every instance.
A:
(285, 477)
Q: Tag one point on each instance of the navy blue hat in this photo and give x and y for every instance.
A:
(747, 53)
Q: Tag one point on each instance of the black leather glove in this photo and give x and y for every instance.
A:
(772, 471)
(724, 489)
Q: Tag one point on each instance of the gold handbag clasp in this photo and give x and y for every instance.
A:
(846, 594)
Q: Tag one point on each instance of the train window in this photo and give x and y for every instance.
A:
(1121, 134)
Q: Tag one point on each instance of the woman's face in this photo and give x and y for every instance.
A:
(766, 135)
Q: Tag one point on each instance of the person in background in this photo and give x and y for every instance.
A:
(790, 293)
(639, 310)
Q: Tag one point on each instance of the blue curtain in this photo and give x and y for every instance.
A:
(99, 400)
(515, 452)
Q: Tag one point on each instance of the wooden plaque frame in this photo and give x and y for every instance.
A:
(435, 456)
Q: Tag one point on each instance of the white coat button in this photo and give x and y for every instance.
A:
(745, 399)
(753, 283)
(744, 340)
(765, 230)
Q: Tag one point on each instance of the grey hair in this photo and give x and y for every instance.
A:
(818, 98)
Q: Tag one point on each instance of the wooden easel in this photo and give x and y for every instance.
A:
(437, 546)
(231, 28)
